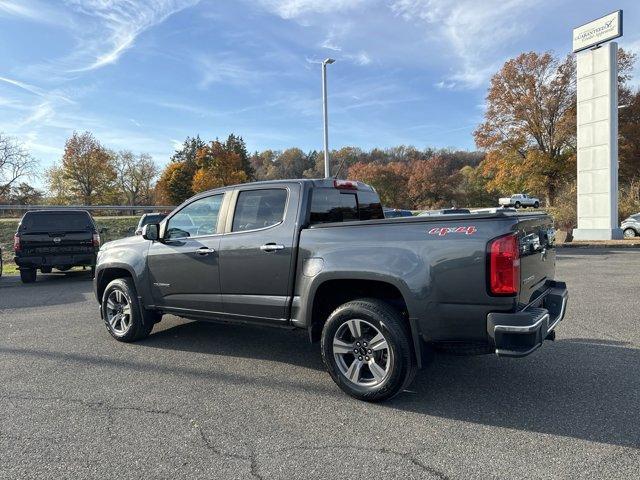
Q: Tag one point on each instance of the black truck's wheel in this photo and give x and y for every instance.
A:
(126, 321)
(28, 275)
(366, 348)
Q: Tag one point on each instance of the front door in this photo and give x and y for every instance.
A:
(183, 267)
(255, 256)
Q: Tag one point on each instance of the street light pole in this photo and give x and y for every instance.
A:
(325, 114)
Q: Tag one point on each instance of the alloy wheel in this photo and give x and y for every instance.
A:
(118, 312)
(362, 353)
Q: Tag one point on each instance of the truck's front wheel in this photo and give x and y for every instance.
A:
(366, 347)
(123, 316)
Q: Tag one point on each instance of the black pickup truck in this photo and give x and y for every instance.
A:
(319, 255)
(59, 239)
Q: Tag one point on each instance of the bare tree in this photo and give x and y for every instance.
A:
(15, 163)
(135, 175)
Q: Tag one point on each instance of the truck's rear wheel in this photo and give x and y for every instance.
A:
(366, 347)
(536, 205)
(28, 275)
(125, 320)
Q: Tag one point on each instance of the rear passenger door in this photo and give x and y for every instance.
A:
(256, 252)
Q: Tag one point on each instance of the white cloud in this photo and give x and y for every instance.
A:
(330, 45)
(360, 58)
(224, 68)
(298, 8)
(112, 27)
(35, 11)
(476, 32)
(40, 113)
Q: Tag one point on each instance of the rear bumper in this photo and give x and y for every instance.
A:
(38, 261)
(520, 333)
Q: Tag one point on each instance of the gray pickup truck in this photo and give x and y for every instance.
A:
(319, 255)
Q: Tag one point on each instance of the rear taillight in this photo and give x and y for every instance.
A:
(16, 243)
(345, 184)
(96, 240)
(504, 266)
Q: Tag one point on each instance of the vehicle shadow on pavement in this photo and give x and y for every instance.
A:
(61, 289)
(582, 388)
(260, 343)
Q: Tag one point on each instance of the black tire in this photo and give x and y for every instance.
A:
(1, 265)
(28, 275)
(93, 272)
(395, 330)
(518, 205)
(141, 321)
(536, 205)
(45, 269)
(629, 233)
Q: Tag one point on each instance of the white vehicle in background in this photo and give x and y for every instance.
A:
(518, 200)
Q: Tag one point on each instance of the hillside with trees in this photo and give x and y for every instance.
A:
(526, 143)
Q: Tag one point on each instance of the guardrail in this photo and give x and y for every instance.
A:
(91, 208)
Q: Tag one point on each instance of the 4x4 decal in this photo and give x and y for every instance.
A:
(442, 231)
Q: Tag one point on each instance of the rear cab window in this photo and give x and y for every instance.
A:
(336, 205)
(45, 222)
(256, 209)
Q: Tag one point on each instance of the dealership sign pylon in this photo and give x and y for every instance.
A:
(597, 122)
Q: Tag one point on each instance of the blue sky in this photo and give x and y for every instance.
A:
(143, 75)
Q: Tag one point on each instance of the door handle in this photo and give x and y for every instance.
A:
(205, 251)
(271, 247)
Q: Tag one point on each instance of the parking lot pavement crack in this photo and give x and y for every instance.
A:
(253, 462)
(409, 456)
(97, 404)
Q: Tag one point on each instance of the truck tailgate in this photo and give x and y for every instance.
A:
(537, 255)
(57, 243)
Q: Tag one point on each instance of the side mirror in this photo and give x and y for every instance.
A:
(151, 231)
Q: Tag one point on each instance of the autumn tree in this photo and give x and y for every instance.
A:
(15, 163)
(86, 172)
(135, 175)
(174, 185)
(433, 183)
(176, 180)
(218, 166)
(25, 194)
(237, 145)
(529, 124)
(389, 180)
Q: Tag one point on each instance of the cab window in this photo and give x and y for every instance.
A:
(259, 209)
(196, 219)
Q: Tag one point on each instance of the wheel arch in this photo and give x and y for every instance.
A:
(327, 293)
(106, 275)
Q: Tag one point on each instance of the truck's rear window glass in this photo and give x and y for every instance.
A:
(370, 207)
(56, 221)
(333, 205)
(259, 209)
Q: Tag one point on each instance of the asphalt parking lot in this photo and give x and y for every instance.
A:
(199, 400)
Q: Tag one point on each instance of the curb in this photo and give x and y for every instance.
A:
(609, 245)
